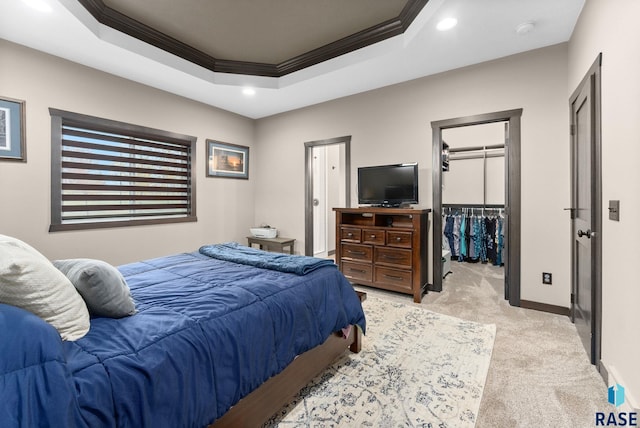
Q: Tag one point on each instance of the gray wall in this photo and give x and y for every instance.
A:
(393, 124)
(225, 207)
(474, 181)
(610, 27)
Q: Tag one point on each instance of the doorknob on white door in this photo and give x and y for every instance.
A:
(588, 233)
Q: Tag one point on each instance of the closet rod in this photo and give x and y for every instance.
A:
(486, 155)
(476, 148)
(472, 206)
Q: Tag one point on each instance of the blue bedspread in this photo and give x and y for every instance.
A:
(234, 252)
(207, 333)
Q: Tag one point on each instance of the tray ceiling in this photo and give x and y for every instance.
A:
(272, 38)
(249, 80)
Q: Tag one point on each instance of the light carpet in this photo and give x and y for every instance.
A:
(417, 368)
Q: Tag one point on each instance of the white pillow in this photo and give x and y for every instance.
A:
(29, 281)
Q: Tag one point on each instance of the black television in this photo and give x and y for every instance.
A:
(388, 185)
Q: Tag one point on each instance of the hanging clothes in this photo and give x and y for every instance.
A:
(448, 233)
(463, 239)
(490, 237)
(475, 238)
(473, 231)
(499, 261)
(456, 235)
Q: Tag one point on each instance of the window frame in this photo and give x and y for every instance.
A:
(60, 117)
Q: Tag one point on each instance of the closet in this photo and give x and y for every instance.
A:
(473, 196)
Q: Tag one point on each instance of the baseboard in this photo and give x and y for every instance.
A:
(544, 307)
(602, 369)
(612, 377)
(430, 287)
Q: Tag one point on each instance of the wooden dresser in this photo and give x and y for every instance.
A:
(384, 248)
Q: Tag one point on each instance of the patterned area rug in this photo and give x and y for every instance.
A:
(417, 368)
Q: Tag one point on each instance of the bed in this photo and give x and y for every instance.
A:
(214, 341)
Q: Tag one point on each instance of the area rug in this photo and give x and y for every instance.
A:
(417, 368)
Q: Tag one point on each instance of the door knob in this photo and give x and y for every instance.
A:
(316, 202)
(588, 233)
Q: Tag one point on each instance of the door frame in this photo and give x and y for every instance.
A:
(593, 78)
(512, 196)
(308, 188)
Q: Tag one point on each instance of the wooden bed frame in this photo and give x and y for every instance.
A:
(260, 405)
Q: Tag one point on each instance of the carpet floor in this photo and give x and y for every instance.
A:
(539, 374)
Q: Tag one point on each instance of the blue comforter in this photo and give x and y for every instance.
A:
(234, 252)
(207, 333)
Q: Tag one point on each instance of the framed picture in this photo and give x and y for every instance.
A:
(12, 141)
(227, 160)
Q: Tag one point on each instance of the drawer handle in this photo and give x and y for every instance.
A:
(349, 235)
(357, 270)
(397, 278)
(391, 257)
(373, 236)
(357, 253)
(398, 239)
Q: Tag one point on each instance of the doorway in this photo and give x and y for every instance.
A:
(512, 195)
(586, 207)
(327, 185)
(473, 195)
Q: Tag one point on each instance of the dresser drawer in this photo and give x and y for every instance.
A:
(357, 271)
(357, 252)
(393, 256)
(394, 277)
(350, 234)
(399, 239)
(373, 236)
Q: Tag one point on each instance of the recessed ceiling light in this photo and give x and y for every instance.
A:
(525, 27)
(447, 24)
(249, 92)
(39, 5)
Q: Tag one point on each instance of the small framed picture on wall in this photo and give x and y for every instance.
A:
(12, 139)
(227, 160)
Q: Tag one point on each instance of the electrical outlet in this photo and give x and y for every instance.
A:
(546, 278)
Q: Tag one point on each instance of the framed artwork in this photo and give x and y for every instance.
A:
(227, 160)
(12, 141)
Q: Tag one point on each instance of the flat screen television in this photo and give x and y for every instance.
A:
(388, 185)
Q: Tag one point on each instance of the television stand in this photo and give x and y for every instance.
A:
(384, 248)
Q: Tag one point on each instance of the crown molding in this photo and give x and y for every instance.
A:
(377, 33)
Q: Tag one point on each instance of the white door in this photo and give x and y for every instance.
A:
(320, 201)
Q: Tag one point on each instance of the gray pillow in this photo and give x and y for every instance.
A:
(29, 281)
(101, 285)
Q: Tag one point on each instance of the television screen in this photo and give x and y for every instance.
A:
(388, 185)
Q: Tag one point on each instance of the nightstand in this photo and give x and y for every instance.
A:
(272, 244)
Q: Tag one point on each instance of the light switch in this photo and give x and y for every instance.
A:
(614, 210)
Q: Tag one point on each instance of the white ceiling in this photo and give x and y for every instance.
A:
(485, 31)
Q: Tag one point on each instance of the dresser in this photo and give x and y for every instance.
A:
(384, 248)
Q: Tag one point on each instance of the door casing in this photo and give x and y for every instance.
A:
(512, 197)
(308, 204)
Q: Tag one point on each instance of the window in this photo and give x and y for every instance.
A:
(108, 174)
